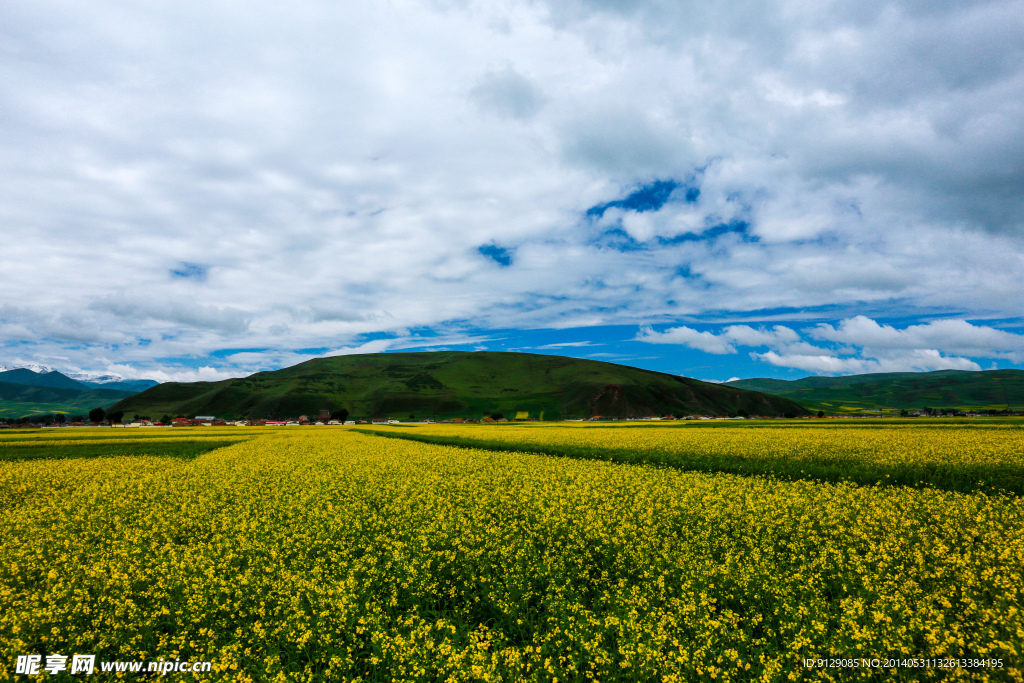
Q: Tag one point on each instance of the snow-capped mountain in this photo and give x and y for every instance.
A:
(111, 381)
(34, 367)
(94, 380)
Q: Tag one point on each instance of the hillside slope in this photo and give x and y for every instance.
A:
(17, 400)
(52, 379)
(454, 384)
(984, 390)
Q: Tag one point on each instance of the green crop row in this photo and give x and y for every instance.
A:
(164, 448)
(989, 460)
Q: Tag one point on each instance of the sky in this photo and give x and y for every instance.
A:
(782, 188)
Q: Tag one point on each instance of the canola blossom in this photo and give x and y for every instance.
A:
(986, 456)
(327, 554)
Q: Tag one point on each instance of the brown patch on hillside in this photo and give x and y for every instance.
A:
(611, 401)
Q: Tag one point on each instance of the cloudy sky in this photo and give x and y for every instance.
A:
(195, 190)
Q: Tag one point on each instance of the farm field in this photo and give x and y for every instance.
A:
(966, 456)
(331, 554)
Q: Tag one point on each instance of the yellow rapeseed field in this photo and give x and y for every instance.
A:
(323, 554)
(954, 446)
(953, 457)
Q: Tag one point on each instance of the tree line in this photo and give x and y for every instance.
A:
(95, 415)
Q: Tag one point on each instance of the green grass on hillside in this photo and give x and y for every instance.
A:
(452, 384)
(953, 389)
(18, 400)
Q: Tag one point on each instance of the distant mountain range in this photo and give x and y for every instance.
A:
(52, 379)
(39, 390)
(454, 384)
(34, 367)
(42, 376)
(984, 390)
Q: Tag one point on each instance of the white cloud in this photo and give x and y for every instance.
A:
(748, 336)
(375, 346)
(687, 336)
(408, 342)
(917, 360)
(723, 342)
(174, 374)
(182, 180)
(562, 345)
(508, 93)
(861, 345)
(953, 336)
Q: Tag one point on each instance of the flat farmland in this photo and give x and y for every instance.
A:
(978, 456)
(534, 553)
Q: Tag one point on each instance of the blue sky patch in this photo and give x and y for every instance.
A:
(738, 227)
(189, 271)
(618, 239)
(500, 255)
(648, 198)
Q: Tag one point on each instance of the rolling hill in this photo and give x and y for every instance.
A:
(983, 390)
(453, 384)
(26, 392)
(18, 400)
(51, 379)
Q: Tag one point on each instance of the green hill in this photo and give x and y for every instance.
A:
(52, 379)
(453, 384)
(17, 400)
(984, 390)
